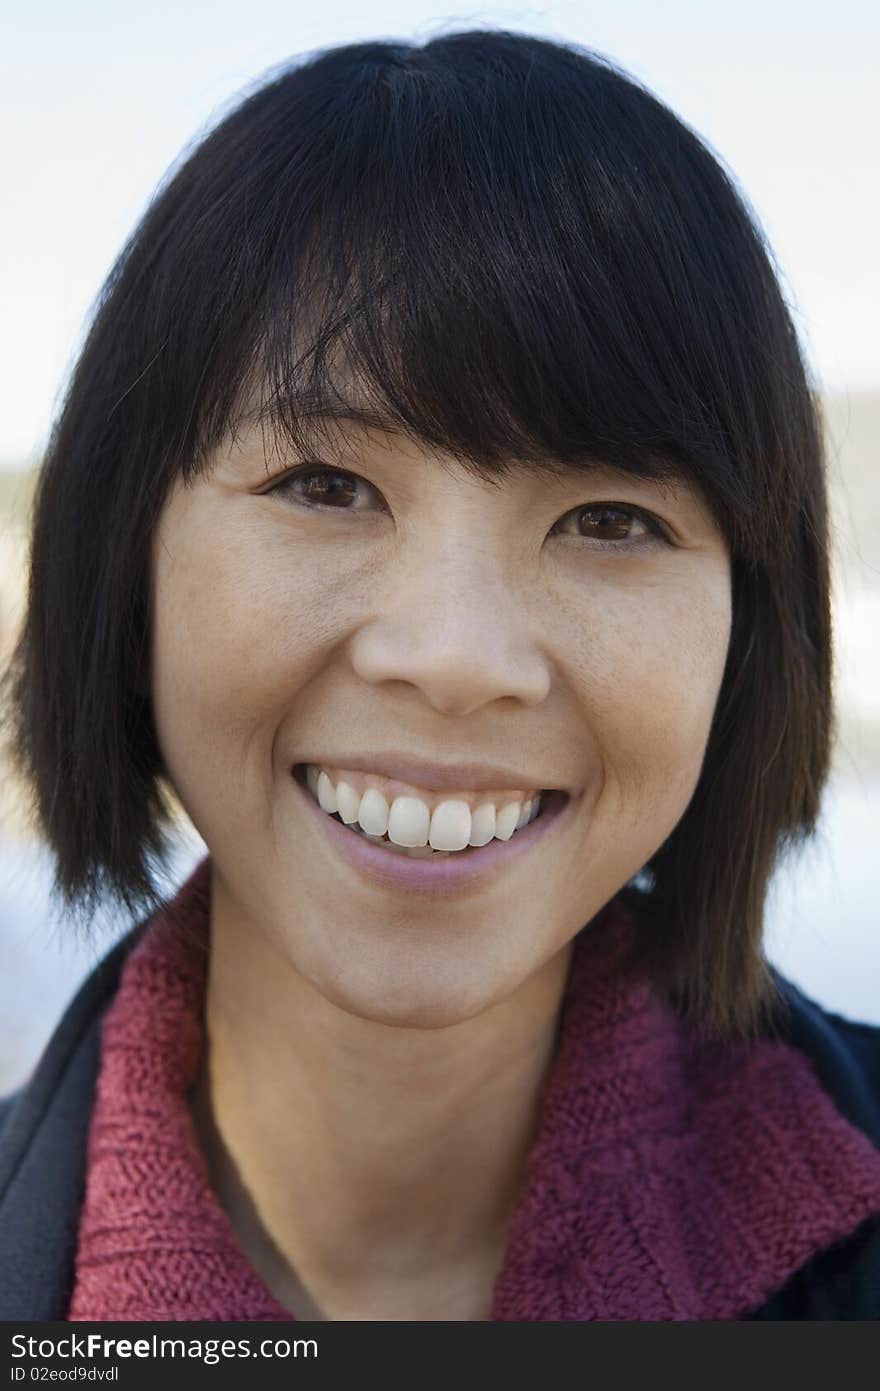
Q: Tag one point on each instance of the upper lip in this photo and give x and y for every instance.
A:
(434, 777)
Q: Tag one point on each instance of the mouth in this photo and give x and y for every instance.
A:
(435, 872)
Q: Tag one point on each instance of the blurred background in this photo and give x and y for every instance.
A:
(99, 99)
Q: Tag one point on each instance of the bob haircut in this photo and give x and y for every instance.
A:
(522, 255)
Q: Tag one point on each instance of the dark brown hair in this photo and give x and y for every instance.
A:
(525, 256)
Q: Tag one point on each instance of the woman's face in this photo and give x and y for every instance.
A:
(449, 620)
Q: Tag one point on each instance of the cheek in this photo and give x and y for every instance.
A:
(653, 668)
(683, 681)
(212, 634)
(236, 627)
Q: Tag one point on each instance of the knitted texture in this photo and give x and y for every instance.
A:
(671, 1178)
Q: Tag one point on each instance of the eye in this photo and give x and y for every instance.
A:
(320, 486)
(615, 520)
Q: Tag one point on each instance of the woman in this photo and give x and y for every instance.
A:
(437, 510)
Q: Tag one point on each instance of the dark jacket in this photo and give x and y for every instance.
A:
(44, 1130)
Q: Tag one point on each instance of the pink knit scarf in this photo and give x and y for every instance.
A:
(670, 1178)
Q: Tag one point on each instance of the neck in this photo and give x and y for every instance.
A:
(359, 1161)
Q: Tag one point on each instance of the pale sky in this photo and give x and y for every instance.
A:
(97, 99)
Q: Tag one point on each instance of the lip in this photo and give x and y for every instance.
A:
(432, 777)
(439, 877)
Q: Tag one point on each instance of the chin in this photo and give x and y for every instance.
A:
(404, 1000)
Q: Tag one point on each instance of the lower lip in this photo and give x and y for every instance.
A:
(476, 869)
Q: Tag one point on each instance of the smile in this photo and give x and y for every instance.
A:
(407, 819)
(419, 866)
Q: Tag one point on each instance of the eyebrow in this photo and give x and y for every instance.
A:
(558, 470)
(363, 415)
(346, 410)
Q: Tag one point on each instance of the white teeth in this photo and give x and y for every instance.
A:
(450, 826)
(415, 852)
(326, 793)
(373, 812)
(410, 827)
(483, 824)
(408, 822)
(506, 820)
(349, 802)
(530, 811)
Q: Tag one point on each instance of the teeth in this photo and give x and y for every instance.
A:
(506, 821)
(483, 824)
(349, 802)
(409, 823)
(326, 793)
(415, 852)
(408, 826)
(373, 813)
(450, 826)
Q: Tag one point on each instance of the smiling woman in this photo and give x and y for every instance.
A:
(437, 510)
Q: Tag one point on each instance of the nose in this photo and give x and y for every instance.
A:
(457, 627)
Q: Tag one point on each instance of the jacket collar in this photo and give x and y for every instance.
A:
(672, 1177)
(43, 1153)
(558, 1243)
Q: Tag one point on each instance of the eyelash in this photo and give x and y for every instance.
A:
(657, 532)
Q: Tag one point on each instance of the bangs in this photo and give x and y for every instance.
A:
(487, 260)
